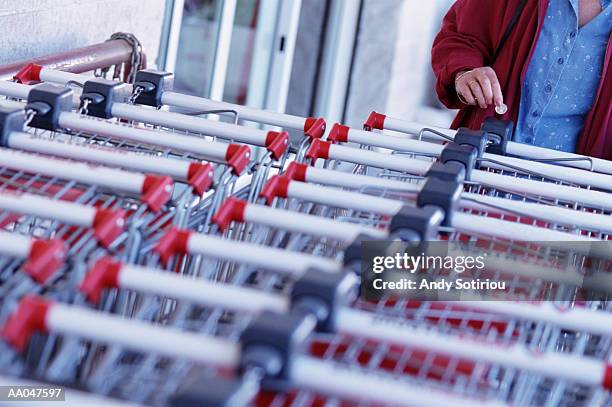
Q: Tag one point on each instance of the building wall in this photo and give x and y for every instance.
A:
(392, 70)
(34, 28)
(411, 65)
(371, 77)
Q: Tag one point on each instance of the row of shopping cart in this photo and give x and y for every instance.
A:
(161, 258)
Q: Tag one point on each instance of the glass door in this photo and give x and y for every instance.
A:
(198, 43)
(261, 53)
(239, 51)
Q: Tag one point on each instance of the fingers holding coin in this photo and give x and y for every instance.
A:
(480, 86)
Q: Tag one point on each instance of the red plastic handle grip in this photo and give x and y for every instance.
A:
(338, 133)
(318, 149)
(232, 210)
(276, 186)
(29, 318)
(607, 380)
(200, 177)
(375, 121)
(44, 259)
(156, 191)
(172, 243)
(277, 143)
(103, 275)
(296, 171)
(238, 157)
(29, 74)
(314, 128)
(108, 225)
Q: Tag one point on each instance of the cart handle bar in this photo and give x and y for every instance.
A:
(43, 257)
(312, 127)
(237, 210)
(198, 175)
(37, 314)
(178, 241)
(589, 197)
(155, 191)
(236, 156)
(107, 224)
(380, 121)
(108, 273)
(556, 214)
(343, 134)
(275, 142)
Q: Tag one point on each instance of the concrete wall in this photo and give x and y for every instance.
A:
(371, 78)
(392, 71)
(33, 28)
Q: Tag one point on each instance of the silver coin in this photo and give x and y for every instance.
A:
(501, 109)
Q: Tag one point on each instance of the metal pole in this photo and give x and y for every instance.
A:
(78, 60)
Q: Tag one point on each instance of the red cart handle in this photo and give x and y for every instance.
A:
(29, 318)
(318, 149)
(276, 186)
(232, 210)
(296, 171)
(108, 224)
(156, 191)
(338, 133)
(28, 75)
(103, 275)
(314, 128)
(238, 157)
(44, 259)
(173, 242)
(200, 177)
(277, 143)
(375, 121)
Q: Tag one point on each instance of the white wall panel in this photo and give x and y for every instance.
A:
(39, 27)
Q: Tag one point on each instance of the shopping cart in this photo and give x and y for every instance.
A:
(108, 273)
(482, 142)
(505, 144)
(410, 166)
(127, 376)
(333, 293)
(179, 157)
(108, 99)
(242, 211)
(52, 234)
(84, 205)
(243, 282)
(389, 203)
(286, 188)
(203, 348)
(154, 88)
(393, 185)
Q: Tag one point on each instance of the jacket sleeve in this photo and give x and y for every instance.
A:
(466, 41)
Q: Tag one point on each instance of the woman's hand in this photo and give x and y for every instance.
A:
(479, 86)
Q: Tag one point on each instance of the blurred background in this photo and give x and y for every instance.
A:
(339, 59)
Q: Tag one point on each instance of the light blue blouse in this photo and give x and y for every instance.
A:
(563, 76)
